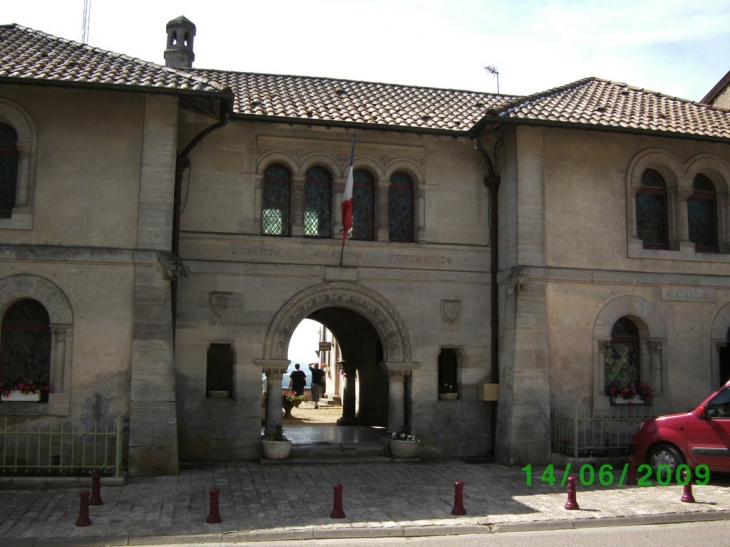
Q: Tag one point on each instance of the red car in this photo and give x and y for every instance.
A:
(700, 437)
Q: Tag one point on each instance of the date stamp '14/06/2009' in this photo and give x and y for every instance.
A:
(607, 477)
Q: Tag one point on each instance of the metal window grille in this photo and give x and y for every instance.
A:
(702, 216)
(26, 344)
(622, 355)
(31, 449)
(317, 202)
(651, 210)
(276, 200)
(9, 159)
(363, 206)
(400, 208)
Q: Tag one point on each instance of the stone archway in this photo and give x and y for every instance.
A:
(367, 303)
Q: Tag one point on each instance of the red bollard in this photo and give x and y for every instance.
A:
(687, 496)
(213, 516)
(572, 503)
(631, 479)
(458, 499)
(337, 512)
(95, 498)
(84, 519)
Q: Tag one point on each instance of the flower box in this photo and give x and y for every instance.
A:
(403, 449)
(635, 400)
(20, 397)
(448, 396)
(219, 393)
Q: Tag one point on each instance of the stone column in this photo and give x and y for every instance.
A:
(348, 404)
(600, 381)
(397, 373)
(382, 232)
(297, 207)
(58, 370)
(682, 219)
(274, 370)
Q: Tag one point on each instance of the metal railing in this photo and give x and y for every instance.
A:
(582, 434)
(29, 449)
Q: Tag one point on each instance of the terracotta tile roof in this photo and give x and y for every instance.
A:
(33, 55)
(332, 100)
(604, 104)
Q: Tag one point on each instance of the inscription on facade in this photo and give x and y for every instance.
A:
(336, 254)
(427, 259)
(243, 250)
(688, 294)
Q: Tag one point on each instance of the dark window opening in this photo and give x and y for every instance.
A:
(400, 208)
(448, 364)
(219, 371)
(622, 356)
(276, 200)
(25, 354)
(317, 202)
(9, 160)
(651, 211)
(702, 215)
(363, 206)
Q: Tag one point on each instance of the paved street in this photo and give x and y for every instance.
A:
(268, 502)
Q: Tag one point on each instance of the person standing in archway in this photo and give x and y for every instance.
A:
(317, 380)
(297, 380)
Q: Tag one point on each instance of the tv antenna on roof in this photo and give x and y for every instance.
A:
(493, 70)
(85, 22)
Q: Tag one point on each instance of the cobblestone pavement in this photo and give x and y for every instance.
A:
(268, 502)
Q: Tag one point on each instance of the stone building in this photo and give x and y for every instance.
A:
(167, 228)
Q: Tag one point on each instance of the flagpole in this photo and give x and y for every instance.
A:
(347, 200)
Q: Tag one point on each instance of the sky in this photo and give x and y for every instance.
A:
(676, 47)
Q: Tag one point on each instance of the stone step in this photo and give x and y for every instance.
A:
(323, 450)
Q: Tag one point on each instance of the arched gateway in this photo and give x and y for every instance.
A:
(347, 298)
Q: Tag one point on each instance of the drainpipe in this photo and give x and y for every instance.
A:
(492, 181)
(181, 165)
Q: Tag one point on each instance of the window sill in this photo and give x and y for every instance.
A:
(21, 219)
(686, 252)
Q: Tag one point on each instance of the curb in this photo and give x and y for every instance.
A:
(364, 532)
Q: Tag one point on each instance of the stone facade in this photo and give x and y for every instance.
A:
(137, 306)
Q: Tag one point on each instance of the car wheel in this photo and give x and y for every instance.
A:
(664, 455)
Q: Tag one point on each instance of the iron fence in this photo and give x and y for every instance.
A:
(583, 434)
(31, 449)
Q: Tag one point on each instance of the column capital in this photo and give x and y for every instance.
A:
(399, 369)
(273, 366)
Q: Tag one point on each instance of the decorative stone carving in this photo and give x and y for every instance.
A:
(220, 302)
(603, 345)
(371, 305)
(654, 346)
(384, 160)
(172, 267)
(684, 194)
(450, 310)
(518, 278)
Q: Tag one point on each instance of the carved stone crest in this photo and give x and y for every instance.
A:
(172, 267)
(450, 310)
(220, 302)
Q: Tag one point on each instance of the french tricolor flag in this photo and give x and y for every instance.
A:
(347, 197)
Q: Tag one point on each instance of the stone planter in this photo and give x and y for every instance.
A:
(218, 394)
(403, 449)
(621, 401)
(276, 450)
(20, 397)
(448, 396)
(288, 405)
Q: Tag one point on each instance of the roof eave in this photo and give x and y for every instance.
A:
(350, 125)
(474, 131)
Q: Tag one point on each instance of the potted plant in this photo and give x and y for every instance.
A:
(218, 390)
(291, 400)
(403, 443)
(629, 394)
(29, 391)
(276, 446)
(448, 392)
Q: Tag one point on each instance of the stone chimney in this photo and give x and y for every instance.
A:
(180, 35)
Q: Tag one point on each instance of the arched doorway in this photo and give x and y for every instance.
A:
(374, 345)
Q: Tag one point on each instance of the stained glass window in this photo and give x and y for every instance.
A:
(701, 213)
(622, 355)
(400, 207)
(317, 202)
(8, 169)
(363, 206)
(276, 199)
(651, 211)
(25, 353)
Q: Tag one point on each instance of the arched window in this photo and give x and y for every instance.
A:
(276, 199)
(25, 354)
(651, 211)
(622, 355)
(702, 215)
(400, 207)
(8, 169)
(363, 206)
(317, 202)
